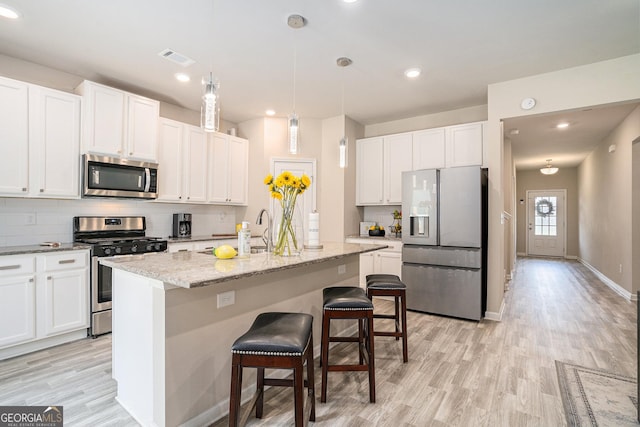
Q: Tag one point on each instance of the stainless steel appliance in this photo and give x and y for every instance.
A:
(105, 176)
(182, 225)
(444, 235)
(110, 236)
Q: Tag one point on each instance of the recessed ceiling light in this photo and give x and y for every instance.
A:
(270, 113)
(182, 77)
(412, 73)
(562, 125)
(8, 12)
(349, 1)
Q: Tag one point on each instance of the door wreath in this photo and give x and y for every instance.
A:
(544, 208)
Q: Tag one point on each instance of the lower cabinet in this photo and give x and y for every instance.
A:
(383, 261)
(44, 300)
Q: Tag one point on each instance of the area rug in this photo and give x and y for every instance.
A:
(593, 397)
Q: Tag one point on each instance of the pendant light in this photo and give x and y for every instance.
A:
(293, 123)
(548, 170)
(343, 145)
(209, 108)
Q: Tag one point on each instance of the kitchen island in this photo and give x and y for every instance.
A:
(175, 316)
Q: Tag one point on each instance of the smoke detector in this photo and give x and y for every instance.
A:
(343, 61)
(296, 21)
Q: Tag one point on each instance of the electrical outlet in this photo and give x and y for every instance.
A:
(226, 298)
(342, 269)
(30, 219)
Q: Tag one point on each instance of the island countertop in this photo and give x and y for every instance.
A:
(196, 269)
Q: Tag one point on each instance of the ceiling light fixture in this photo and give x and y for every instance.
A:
(548, 170)
(344, 141)
(182, 77)
(270, 113)
(412, 73)
(210, 110)
(8, 12)
(563, 125)
(293, 124)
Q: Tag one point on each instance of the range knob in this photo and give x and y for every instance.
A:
(158, 247)
(118, 250)
(107, 251)
(134, 248)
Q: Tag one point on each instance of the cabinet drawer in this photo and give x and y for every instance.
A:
(15, 265)
(65, 261)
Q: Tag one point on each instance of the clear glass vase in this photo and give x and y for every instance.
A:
(288, 230)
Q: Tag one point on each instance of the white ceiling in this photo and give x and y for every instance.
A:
(461, 46)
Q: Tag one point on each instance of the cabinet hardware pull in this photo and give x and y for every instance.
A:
(42, 190)
(48, 277)
(31, 280)
(66, 261)
(10, 267)
(24, 188)
(183, 250)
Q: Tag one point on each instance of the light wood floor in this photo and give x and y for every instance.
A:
(459, 372)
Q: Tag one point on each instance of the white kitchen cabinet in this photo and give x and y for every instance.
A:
(464, 145)
(41, 128)
(17, 300)
(182, 158)
(383, 261)
(118, 123)
(380, 162)
(44, 300)
(429, 149)
(228, 169)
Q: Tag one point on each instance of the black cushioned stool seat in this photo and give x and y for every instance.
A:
(390, 285)
(348, 302)
(278, 341)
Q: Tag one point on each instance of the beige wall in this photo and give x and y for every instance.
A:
(565, 179)
(635, 215)
(605, 185)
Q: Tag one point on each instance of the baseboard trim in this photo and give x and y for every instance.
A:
(610, 283)
(493, 316)
(571, 257)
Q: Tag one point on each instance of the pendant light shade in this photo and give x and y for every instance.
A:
(343, 147)
(209, 110)
(548, 170)
(293, 133)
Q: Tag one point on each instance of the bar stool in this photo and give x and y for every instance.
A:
(348, 302)
(390, 285)
(277, 341)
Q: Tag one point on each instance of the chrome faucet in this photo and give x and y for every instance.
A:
(268, 239)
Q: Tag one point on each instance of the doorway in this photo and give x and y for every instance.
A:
(298, 167)
(546, 219)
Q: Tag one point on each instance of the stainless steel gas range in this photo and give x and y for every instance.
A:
(110, 236)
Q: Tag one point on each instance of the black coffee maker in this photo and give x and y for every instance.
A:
(182, 225)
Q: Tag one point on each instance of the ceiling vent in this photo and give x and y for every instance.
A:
(176, 57)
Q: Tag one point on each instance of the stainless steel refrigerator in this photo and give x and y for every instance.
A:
(444, 236)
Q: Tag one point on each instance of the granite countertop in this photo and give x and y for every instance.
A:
(33, 249)
(387, 236)
(195, 269)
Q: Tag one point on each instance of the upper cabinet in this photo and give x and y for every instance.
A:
(40, 128)
(118, 123)
(228, 169)
(381, 160)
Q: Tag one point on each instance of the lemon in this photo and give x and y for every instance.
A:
(225, 252)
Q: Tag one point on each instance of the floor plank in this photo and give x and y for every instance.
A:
(460, 372)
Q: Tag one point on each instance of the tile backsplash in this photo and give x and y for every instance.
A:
(382, 215)
(32, 221)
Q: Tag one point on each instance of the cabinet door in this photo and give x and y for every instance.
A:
(397, 159)
(180, 247)
(369, 162)
(367, 262)
(170, 160)
(239, 167)
(142, 128)
(428, 149)
(103, 119)
(218, 169)
(66, 301)
(17, 309)
(389, 263)
(195, 166)
(464, 145)
(14, 137)
(55, 142)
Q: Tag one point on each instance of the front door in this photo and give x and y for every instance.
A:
(546, 222)
(307, 201)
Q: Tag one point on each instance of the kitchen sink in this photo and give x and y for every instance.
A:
(254, 250)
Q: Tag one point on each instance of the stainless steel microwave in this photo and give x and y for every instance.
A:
(105, 176)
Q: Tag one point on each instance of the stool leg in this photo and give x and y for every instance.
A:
(324, 357)
(260, 390)
(372, 374)
(361, 340)
(236, 389)
(298, 395)
(397, 314)
(405, 352)
(311, 380)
